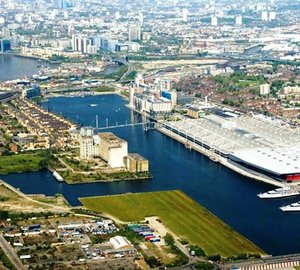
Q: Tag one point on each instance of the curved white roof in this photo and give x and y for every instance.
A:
(278, 160)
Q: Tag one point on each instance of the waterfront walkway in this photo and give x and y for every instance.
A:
(222, 160)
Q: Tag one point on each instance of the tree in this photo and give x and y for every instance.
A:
(214, 258)
(169, 239)
(204, 265)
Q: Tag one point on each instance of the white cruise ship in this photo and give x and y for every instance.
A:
(290, 208)
(279, 193)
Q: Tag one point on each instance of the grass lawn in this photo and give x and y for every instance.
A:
(76, 178)
(20, 163)
(103, 89)
(179, 213)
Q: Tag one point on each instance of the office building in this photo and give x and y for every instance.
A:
(117, 15)
(239, 20)
(134, 32)
(185, 14)
(272, 15)
(141, 19)
(264, 16)
(32, 92)
(170, 95)
(214, 20)
(83, 44)
(62, 4)
(151, 106)
(264, 89)
(4, 45)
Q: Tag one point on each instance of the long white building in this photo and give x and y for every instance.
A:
(254, 142)
(151, 105)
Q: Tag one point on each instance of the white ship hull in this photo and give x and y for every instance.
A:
(294, 207)
(279, 193)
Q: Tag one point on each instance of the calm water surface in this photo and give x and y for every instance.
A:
(14, 67)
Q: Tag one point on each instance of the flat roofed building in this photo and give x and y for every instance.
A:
(159, 106)
(136, 163)
(195, 113)
(31, 93)
(280, 162)
(113, 149)
(264, 89)
(152, 106)
(241, 138)
(170, 95)
(134, 32)
(119, 242)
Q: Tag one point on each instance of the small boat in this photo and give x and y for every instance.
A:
(279, 193)
(93, 105)
(291, 208)
(57, 176)
(213, 158)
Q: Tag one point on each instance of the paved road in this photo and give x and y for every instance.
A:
(130, 69)
(10, 253)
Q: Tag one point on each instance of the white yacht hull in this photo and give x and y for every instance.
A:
(279, 193)
(290, 208)
(277, 196)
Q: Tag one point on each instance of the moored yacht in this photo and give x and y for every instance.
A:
(279, 193)
(290, 208)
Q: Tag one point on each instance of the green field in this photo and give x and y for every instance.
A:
(76, 178)
(20, 163)
(103, 89)
(179, 213)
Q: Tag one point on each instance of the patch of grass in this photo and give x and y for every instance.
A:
(181, 258)
(131, 75)
(179, 213)
(103, 89)
(74, 178)
(20, 163)
(204, 265)
(125, 93)
(117, 75)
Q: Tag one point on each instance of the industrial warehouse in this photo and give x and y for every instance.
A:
(265, 148)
